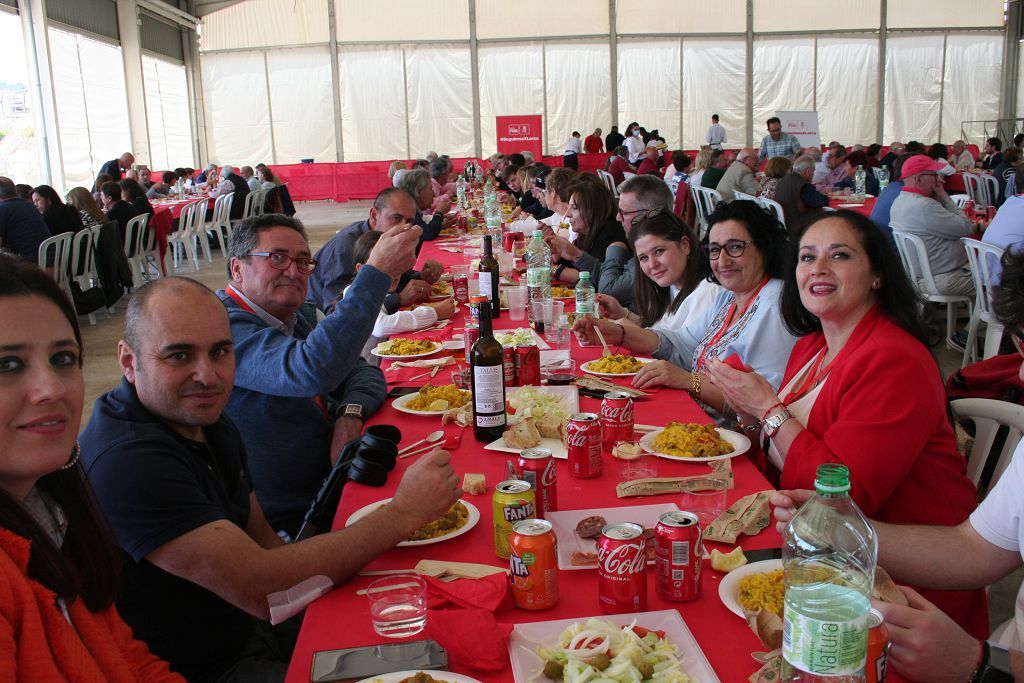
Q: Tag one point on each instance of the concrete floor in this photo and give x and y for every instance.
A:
(322, 220)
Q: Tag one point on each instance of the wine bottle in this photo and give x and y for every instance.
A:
(489, 278)
(486, 360)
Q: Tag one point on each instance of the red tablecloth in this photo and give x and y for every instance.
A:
(865, 208)
(341, 618)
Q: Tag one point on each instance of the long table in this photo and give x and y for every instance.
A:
(341, 618)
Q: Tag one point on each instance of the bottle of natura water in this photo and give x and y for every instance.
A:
(538, 276)
(829, 551)
(584, 291)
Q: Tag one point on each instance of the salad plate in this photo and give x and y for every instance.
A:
(527, 638)
(568, 398)
(398, 676)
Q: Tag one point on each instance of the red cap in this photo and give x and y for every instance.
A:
(918, 163)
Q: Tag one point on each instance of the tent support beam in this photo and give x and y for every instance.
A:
(339, 146)
(880, 92)
(474, 74)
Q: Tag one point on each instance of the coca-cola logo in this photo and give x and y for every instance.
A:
(578, 437)
(623, 560)
(547, 477)
(622, 413)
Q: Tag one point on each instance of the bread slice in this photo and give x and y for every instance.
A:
(551, 426)
(474, 484)
(522, 434)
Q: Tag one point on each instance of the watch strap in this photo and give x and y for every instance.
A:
(352, 410)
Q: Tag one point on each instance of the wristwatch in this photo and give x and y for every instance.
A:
(995, 665)
(774, 422)
(353, 410)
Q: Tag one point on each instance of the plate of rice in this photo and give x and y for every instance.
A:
(753, 586)
(693, 442)
(402, 348)
(618, 365)
(431, 400)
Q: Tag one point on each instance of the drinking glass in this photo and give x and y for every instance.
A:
(398, 605)
(516, 302)
(708, 504)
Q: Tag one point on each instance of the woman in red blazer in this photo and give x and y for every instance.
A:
(861, 389)
(58, 568)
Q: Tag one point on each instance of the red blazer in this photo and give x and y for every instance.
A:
(882, 413)
(38, 644)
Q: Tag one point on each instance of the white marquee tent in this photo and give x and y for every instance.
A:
(189, 81)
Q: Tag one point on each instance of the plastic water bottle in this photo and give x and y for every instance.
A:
(584, 296)
(860, 179)
(538, 276)
(460, 193)
(829, 551)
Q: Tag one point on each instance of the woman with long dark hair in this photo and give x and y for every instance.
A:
(58, 567)
(59, 217)
(134, 194)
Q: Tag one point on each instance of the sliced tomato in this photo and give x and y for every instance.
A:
(596, 642)
(642, 632)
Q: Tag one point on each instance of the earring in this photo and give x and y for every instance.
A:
(876, 284)
(75, 453)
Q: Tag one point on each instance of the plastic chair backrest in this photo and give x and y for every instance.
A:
(774, 207)
(991, 188)
(915, 260)
(743, 196)
(608, 179)
(60, 245)
(972, 183)
(133, 234)
(146, 238)
(82, 257)
(222, 208)
(250, 205)
(980, 258)
(185, 221)
(988, 416)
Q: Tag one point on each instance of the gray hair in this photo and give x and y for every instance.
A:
(803, 163)
(438, 167)
(528, 156)
(651, 192)
(210, 167)
(246, 235)
(415, 181)
(135, 314)
(225, 171)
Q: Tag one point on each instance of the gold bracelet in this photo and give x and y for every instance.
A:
(695, 379)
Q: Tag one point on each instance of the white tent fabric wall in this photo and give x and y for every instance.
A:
(578, 87)
(847, 89)
(301, 105)
(92, 110)
(783, 79)
(440, 100)
(649, 87)
(970, 85)
(913, 83)
(170, 139)
(266, 23)
(237, 118)
(372, 103)
(511, 82)
(713, 83)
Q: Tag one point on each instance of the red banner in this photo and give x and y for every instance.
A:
(519, 134)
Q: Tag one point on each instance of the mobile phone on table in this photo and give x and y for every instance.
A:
(763, 554)
(356, 663)
(402, 391)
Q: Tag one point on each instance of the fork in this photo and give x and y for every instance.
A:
(600, 337)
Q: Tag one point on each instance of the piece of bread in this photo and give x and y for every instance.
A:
(886, 590)
(551, 426)
(522, 435)
(474, 484)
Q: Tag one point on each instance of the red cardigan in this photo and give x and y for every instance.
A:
(38, 644)
(882, 413)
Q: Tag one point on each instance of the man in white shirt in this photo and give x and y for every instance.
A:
(573, 147)
(716, 133)
(1006, 230)
(635, 144)
(249, 176)
(962, 159)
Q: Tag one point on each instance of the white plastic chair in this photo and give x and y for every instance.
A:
(960, 199)
(626, 175)
(981, 256)
(705, 200)
(609, 180)
(991, 188)
(180, 242)
(140, 248)
(82, 267)
(774, 207)
(250, 209)
(220, 224)
(988, 416)
(974, 188)
(915, 261)
(60, 247)
(743, 196)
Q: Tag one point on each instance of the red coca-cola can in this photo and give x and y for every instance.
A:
(583, 442)
(616, 418)
(969, 208)
(470, 333)
(678, 547)
(460, 285)
(622, 569)
(990, 212)
(508, 241)
(508, 362)
(527, 365)
(878, 648)
(537, 466)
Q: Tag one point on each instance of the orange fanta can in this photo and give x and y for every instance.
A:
(533, 563)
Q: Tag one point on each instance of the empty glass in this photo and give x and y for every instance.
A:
(398, 605)
(516, 302)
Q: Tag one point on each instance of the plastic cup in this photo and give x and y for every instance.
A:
(398, 605)
(552, 311)
(459, 270)
(558, 372)
(516, 302)
(708, 504)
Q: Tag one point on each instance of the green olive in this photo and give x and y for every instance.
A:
(646, 669)
(553, 669)
(600, 661)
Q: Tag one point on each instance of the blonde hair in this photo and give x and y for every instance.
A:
(82, 199)
(395, 167)
(703, 161)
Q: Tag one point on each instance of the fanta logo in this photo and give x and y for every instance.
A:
(518, 511)
(629, 558)
(517, 566)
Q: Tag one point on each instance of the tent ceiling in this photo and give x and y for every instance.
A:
(204, 7)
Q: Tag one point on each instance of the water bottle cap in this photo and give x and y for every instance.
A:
(538, 234)
(832, 478)
(584, 274)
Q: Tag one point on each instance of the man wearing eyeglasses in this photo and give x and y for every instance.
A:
(301, 389)
(924, 209)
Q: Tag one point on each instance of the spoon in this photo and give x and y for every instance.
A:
(432, 437)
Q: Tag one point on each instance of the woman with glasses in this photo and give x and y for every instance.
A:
(58, 566)
(747, 250)
(860, 389)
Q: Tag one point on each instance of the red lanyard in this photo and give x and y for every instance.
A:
(815, 374)
(727, 322)
(244, 305)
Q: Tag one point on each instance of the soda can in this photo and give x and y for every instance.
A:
(990, 212)
(583, 442)
(527, 365)
(622, 569)
(460, 287)
(470, 333)
(969, 208)
(678, 547)
(878, 648)
(508, 241)
(514, 501)
(533, 564)
(508, 362)
(474, 307)
(616, 418)
(537, 466)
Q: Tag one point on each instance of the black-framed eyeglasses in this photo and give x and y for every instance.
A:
(733, 248)
(278, 260)
(628, 218)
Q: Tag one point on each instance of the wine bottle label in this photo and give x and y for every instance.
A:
(489, 394)
(538, 277)
(485, 285)
(828, 648)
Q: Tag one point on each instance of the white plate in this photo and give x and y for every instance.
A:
(729, 586)
(586, 368)
(400, 403)
(849, 206)
(564, 522)
(571, 404)
(474, 517)
(740, 445)
(375, 352)
(453, 345)
(399, 675)
(526, 637)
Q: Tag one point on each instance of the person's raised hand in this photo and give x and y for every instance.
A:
(443, 206)
(395, 252)
(785, 503)
(562, 248)
(415, 291)
(609, 307)
(431, 271)
(584, 329)
(747, 392)
(445, 309)
(662, 373)
(428, 488)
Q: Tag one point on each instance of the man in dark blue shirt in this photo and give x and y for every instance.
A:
(22, 228)
(115, 168)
